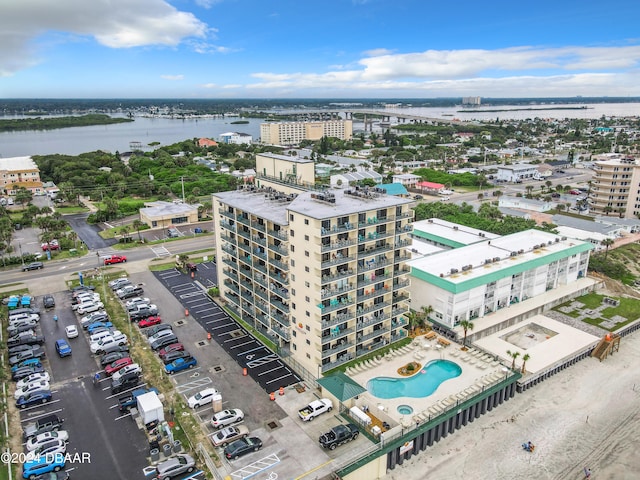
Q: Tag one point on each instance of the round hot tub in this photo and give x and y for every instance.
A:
(405, 409)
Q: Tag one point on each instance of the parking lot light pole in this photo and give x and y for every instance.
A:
(21, 257)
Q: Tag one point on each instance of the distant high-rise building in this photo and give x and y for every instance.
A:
(471, 100)
(292, 133)
(615, 187)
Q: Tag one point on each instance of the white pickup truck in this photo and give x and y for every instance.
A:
(315, 408)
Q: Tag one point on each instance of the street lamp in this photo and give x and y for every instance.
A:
(21, 257)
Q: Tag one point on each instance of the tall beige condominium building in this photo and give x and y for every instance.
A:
(292, 133)
(323, 272)
(615, 188)
(19, 172)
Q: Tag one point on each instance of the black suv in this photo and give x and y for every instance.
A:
(33, 266)
(126, 381)
(48, 301)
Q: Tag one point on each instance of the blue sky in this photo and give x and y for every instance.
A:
(318, 48)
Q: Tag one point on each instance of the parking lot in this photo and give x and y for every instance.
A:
(93, 426)
(263, 365)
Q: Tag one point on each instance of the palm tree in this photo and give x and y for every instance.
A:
(426, 311)
(412, 318)
(513, 355)
(466, 325)
(138, 224)
(606, 243)
(548, 183)
(525, 357)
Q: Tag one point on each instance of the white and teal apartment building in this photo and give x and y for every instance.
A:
(477, 273)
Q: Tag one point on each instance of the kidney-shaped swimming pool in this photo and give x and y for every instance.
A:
(422, 384)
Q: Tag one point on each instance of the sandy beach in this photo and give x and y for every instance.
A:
(586, 416)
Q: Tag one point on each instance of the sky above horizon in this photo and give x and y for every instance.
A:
(318, 49)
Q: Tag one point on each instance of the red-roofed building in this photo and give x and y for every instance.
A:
(207, 142)
(430, 187)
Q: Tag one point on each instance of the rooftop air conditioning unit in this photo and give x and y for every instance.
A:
(564, 238)
(430, 220)
(514, 254)
(496, 259)
(455, 227)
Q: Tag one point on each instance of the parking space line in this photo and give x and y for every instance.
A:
(262, 360)
(28, 409)
(256, 467)
(240, 344)
(35, 417)
(140, 385)
(189, 370)
(225, 325)
(271, 370)
(284, 376)
(122, 416)
(201, 382)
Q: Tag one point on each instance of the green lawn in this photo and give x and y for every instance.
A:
(71, 210)
(629, 308)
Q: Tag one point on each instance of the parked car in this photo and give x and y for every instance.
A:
(173, 233)
(34, 386)
(36, 377)
(24, 372)
(203, 397)
(50, 447)
(131, 304)
(126, 370)
(156, 328)
(113, 259)
(38, 440)
(43, 464)
(92, 328)
(52, 245)
(180, 364)
(85, 308)
(160, 334)
(149, 321)
(174, 466)
(111, 357)
(63, 348)
(228, 435)
(124, 382)
(17, 317)
(130, 399)
(171, 356)
(48, 423)
(241, 447)
(226, 417)
(115, 284)
(21, 348)
(26, 363)
(115, 349)
(71, 331)
(25, 338)
(163, 342)
(35, 398)
(99, 316)
(116, 339)
(34, 352)
(118, 364)
(48, 301)
(129, 291)
(174, 347)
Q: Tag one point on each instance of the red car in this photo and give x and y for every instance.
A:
(52, 245)
(115, 259)
(149, 321)
(117, 365)
(174, 347)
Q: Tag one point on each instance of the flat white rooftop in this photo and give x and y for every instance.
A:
(545, 340)
(450, 233)
(519, 251)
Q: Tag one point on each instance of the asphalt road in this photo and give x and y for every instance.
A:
(88, 233)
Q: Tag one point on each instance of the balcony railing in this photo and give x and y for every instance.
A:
(230, 261)
(278, 248)
(227, 225)
(261, 241)
(232, 286)
(283, 319)
(400, 298)
(371, 308)
(228, 214)
(375, 250)
(278, 304)
(336, 305)
(338, 260)
(372, 320)
(402, 258)
(332, 292)
(243, 220)
(337, 276)
(262, 294)
(338, 244)
(281, 332)
(401, 284)
(336, 320)
(373, 279)
(259, 226)
(230, 250)
(373, 264)
(371, 347)
(230, 273)
(369, 336)
(403, 243)
(373, 293)
(345, 227)
(336, 334)
(279, 264)
(337, 349)
(281, 234)
(340, 361)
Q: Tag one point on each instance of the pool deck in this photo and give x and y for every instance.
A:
(478, 371)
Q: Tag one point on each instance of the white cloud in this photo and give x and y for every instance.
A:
(517, 71)
(112, 23)
(376, 52)
(207, 3)
(172, 77)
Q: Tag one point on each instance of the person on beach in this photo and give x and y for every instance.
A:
(587, 473)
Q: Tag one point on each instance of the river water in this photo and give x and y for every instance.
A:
(166, 131)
